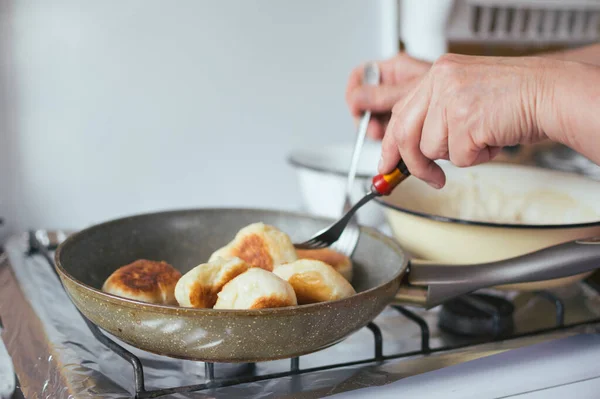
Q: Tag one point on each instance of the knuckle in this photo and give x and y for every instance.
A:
(478, 139)
(402, 138)
(430, 151)
(446, 63)
(459, 159)
(462, 111)
(449, 70)
(442, 64)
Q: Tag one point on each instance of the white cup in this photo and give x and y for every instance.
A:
(423, 27)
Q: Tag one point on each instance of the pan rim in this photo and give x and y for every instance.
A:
(206, 312)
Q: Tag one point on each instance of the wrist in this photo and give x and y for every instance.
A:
(553, 100)
(569, 100)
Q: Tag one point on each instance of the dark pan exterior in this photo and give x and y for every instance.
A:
(186, 239)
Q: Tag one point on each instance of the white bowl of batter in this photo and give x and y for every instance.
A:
(493, 211)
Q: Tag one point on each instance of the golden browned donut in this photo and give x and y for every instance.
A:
(259, 245)
(144, 280)
(256, 289)
(340, 262)
(199, 287)
(314, 281)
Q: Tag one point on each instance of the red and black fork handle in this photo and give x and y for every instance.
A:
(385, 184)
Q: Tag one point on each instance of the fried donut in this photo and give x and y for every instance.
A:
(314, 281)
(144, 280)
(259, 245)
(340, 262)
(199, 287)
(256, 289)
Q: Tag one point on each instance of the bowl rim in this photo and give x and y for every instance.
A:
(300, 165)
(447, 219)
(293, 159)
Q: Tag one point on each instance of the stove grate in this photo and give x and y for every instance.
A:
(558, 306)
(422, 325)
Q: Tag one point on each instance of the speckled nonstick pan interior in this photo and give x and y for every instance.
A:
(187, 238)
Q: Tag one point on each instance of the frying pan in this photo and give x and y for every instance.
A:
(186, 238)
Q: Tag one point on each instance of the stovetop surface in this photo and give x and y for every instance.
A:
(76, 364)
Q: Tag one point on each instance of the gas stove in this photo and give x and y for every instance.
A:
(529, 343)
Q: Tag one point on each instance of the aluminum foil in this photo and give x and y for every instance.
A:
(7, 372)
(76, 365)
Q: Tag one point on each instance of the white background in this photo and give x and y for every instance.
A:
(123, 106)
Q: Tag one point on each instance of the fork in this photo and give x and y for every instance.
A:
(381, 185)
(347, 242)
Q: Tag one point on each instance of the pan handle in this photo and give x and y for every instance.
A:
(430, 284)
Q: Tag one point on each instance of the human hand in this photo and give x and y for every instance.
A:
(399, 75)
(465, 110)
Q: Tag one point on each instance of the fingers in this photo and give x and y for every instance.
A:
(413, 119)
(390, 153)
(404, 65)
(464, 151)
(434, 140)
(375, 129)
(486, 155)
(494, 151)
(452, 113)
(403, 139)
(399, 75)
(375, 98)
(397, 70)
(377, 126)
(355, 80)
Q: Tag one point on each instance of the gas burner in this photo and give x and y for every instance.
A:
(477, 315)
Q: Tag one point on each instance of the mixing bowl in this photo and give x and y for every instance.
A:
(322, 172)
(492, 212)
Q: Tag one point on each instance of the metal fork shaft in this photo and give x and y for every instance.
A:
(331, 234)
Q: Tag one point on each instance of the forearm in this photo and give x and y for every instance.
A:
(570, 106)
(588, 54)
